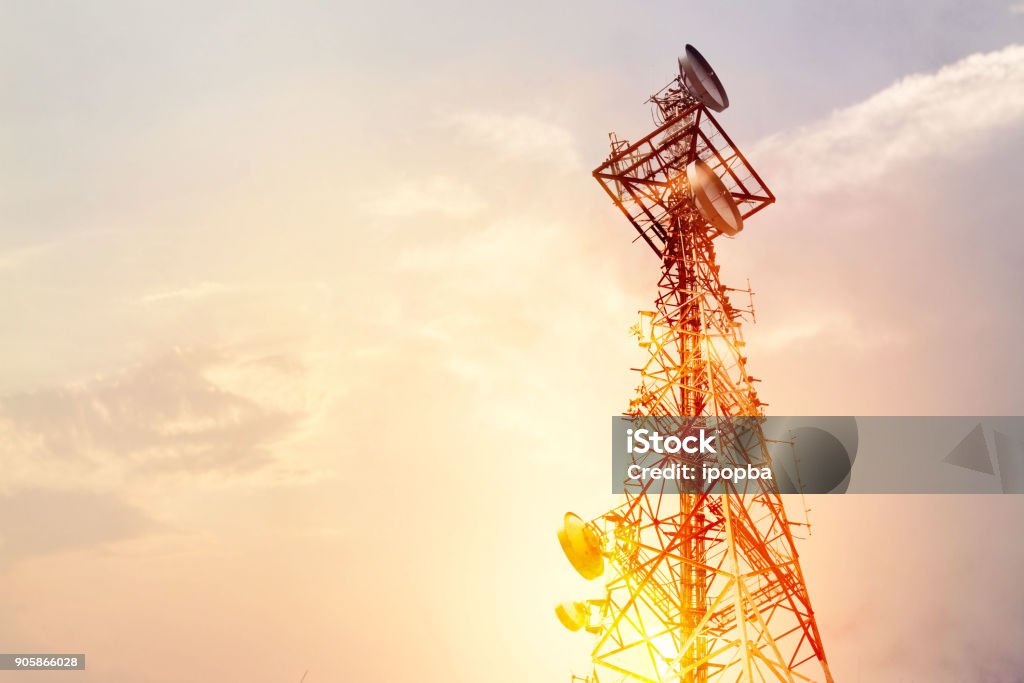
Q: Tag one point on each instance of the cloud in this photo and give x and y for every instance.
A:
(1016, 8)
(39, 521)
(191, 293)
(190, 411)
(942, 114)
(11, 259)
(437, 194)
(834, 328)
(519, 137)
(518, 244)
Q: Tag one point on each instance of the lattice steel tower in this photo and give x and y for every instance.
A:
(700, 585)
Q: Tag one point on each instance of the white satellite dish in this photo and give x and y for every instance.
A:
(700, 79)
(713, 198)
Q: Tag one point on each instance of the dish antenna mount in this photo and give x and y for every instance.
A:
(701, 80)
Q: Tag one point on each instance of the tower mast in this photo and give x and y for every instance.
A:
(700, 585)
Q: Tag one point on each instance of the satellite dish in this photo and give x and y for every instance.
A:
(573, 615)
(713, 199)
(700, 79)
(582, 546)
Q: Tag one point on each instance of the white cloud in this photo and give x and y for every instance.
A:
(190, 293)
(836, 329)
(874, 240)
(520, 137)
(516, 244)
(1017, 8)
(941, 114)
(436, 194)
(15, 258)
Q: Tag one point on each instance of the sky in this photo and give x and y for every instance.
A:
(313, 319)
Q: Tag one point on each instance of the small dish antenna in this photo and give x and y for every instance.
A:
(713, 199)
(700, 79)
(582, 546)
(573, 615)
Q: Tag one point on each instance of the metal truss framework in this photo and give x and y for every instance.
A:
(700, 586)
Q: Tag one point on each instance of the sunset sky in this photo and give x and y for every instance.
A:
(313, 319)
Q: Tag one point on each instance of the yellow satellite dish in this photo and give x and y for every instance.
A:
(581, 544)
(573, 615)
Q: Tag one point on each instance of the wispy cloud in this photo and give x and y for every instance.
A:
(519, 137)
(436, 194)
(64, 520)
(921, 116)
(14, 258)
(874, 234)
(1016, 8)
(184, 412)
(824, 328)
(189, 293)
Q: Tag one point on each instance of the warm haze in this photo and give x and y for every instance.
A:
(248, 250)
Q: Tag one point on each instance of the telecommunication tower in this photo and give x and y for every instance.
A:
(699, 585)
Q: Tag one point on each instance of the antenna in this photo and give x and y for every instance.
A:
(698, 587)
(649, 180)
(573, 615)
(581, 544)
(701, 80)
(713, 199)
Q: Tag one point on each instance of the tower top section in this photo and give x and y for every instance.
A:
(688, 167)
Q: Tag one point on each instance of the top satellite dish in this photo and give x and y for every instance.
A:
(713, 199)
(582, 546)
(700, 79)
